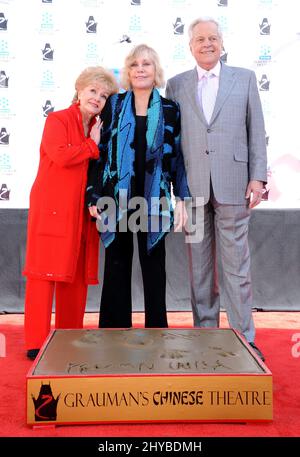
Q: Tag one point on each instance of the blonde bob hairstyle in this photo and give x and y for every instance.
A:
(98, 75)
(136, 52)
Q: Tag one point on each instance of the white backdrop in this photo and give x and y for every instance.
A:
(45, 44)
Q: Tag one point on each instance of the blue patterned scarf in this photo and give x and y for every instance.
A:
(119, 169)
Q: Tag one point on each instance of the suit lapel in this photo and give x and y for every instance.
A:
(227, 80)
(191, 89)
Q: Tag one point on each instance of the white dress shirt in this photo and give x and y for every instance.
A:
(208, 85)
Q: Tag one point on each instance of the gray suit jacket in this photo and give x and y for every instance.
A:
(231, 149)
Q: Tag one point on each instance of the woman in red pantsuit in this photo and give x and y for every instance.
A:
(62, 241)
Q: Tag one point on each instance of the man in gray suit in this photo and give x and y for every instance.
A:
(224, 148)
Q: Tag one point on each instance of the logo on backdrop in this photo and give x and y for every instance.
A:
(91, 25)
(4, 192)
(4, 136)
(135, 24)
(45, 405)
(47, 23)
(47, 80)
(266, 2)
(222, 3)
(92, 3)
(264, 55)
(5, 109)
(92, 54)
(47, 108)
(3, 22)
(178, 26)
(4, 51)
(47, 52)
(179, 53)
(265, 27)
(125, 39)
(135, 2)
(264, 83)
(3, 79)
(46, 1)
(6, 163)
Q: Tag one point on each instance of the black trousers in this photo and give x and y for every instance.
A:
(116, 300)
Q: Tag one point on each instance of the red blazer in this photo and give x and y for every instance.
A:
(58, 219)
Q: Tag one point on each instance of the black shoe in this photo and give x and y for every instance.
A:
(32, 353)
(258, 351)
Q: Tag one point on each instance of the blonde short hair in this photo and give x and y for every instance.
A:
(131, 57)
(99, 75)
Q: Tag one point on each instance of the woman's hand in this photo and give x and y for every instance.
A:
(94, 212)
(95, 134)
(180, 216)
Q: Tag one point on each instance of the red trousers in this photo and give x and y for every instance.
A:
(70, 302)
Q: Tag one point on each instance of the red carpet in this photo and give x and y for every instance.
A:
(276, 344)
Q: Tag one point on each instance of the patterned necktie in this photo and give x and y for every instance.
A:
(208, 95)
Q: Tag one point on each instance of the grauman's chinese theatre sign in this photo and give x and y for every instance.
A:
(137, 375)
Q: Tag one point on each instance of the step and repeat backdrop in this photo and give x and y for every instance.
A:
(45, 44)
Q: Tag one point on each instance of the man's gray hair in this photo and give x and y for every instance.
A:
(200, 20)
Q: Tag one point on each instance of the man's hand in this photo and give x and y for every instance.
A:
(255, 190)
